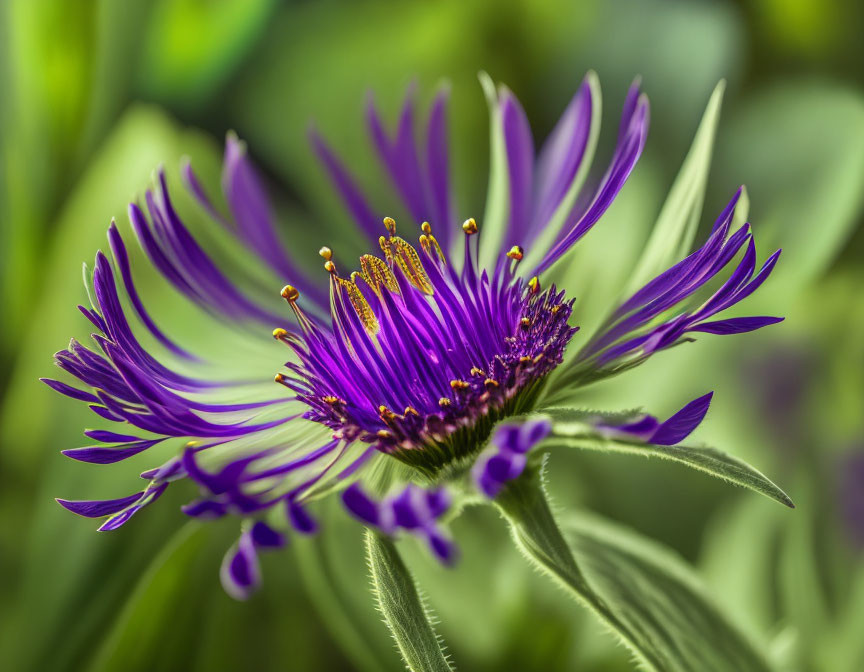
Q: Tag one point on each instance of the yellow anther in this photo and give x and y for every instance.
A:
(444, 402)
(410, 410)
(470, 226)
(377, 274)
(329, 266)
(516, 253)
(525, 359)
(290, 293)
(426, 228)
(534, 284)
(477, 372)
(459, 385)
(384, 434)
(406, 257)
(554, 309)
(525, 322)
(390, 225)
(326, 253)
(489, 382)
(279, 333)
(330, 399)
(278, 378)
(361, 306)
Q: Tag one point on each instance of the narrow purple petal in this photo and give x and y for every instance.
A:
(735, 325)
(519, 147)
(264, 536)
(99, 508)
(70, 391)
(679, 426)
(104, 455)
(300, 518)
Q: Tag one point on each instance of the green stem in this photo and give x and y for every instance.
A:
(524, 504)
(402, 607)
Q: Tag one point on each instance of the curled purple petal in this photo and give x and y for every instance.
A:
(98, 508)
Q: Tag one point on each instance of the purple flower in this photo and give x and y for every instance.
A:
(414, 356)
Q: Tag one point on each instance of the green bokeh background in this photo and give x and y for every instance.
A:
(95, 95)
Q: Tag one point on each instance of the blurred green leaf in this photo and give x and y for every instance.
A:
(193, 46)
(570, 428)
(402, 607)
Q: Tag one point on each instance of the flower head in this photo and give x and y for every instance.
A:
(414, 355)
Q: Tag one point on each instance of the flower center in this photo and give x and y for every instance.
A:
(421, 358)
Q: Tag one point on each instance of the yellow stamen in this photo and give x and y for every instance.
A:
(459, 385)
(410, 410)
(489, 382)
(326, 253)
(477, 372)
(361, 306)
(443, 402)
(516, 253)
(534, 285)
(406, 257)
(525, 322)
(279, 333)
(390, 225)
(290, 293)
(377, 273)
(470, 226)
(278, 378)
(426, 228)
(329, 266)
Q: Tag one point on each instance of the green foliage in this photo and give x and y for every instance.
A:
(645, 596)
(402, 607)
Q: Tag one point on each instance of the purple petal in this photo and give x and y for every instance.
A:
(105, 455)
(735, 325)
(519, 147)
(264, 536)
(679, 426)
(362, 506)
(110, 437)
(99, 508)
(300, 519)
(241, 571)
(561, 156)
(204, 508)
(70, 391)
(441, 546)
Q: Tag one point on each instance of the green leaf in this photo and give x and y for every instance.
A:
(676, 225)
(402, 607)
(645, 595)
(571, 427)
